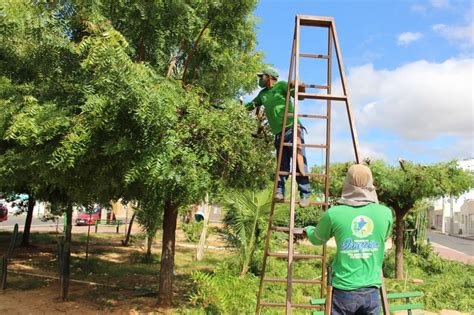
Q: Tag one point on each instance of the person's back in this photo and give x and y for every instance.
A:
(360, 234)
(360, 226)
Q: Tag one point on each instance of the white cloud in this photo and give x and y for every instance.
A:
(418, 8)
(464, 35)
(408, 37)
(420, 100)
(440, 3)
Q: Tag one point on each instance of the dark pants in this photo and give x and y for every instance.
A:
(358, 302)
(303, 181)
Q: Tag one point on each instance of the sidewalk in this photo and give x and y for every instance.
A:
(452, 254)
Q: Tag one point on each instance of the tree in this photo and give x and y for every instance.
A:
(89, 104)
(400, 188)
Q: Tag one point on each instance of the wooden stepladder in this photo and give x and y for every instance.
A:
(291, 255)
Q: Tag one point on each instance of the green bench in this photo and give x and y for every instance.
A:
(116, 223)
(321, 302)
(408, 306)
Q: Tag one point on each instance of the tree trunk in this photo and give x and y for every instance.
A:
(165, 296)
(149, 242)
(202, 239)
(66, 254)
(127, 238)
(399, 245)
(29, 217)
(68, 227)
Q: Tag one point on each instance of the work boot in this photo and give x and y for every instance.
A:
(279, 197)
(304, 202)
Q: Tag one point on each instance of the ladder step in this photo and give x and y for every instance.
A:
(314, 86)
(323, 96)
(299, 174)
(296, 231)
(292, 280)
(314, 56)
(274, 304)
(305, 145)
(309, 116)
(296, 256)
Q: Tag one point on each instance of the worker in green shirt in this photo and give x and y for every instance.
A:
(273, 98)
(360, 226)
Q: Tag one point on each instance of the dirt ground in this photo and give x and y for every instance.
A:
(115, 283)
(33, 285)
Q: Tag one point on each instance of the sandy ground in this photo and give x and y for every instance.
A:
(45, 300)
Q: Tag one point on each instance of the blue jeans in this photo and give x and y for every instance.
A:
(303, 181)
(356, 302)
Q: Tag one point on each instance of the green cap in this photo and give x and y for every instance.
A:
(269, 71)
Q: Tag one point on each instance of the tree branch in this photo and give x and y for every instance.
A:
(173, 61)
(191, 54)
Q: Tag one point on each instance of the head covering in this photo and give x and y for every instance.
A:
(269, 71)
(358, 189)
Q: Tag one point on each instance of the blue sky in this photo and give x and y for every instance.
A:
(409, 66)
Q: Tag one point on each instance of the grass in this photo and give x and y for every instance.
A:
(131, 283)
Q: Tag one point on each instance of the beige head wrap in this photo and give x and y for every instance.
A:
(358, 189)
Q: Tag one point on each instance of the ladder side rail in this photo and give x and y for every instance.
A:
(275, 184)
(350, 116)
(328, 153)
(294, 163)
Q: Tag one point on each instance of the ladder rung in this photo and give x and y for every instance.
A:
(312, 203)
(323, 96)
(305, 145)
(309, 116)
(306, 174)
(287, 229)
(292, 280)
(274, 304)
(314, 56)
(296, 256)
(314, 86)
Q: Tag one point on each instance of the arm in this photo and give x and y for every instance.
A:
(254, 103)
(320, 234)
(389, 229)
(301, 89)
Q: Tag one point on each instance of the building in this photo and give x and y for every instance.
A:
(455, 215)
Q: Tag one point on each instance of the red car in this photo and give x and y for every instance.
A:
(3, 213)
(88, 217)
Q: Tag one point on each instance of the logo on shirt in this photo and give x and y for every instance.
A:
(362, 226)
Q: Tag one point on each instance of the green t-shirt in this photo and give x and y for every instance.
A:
(360, 234)
(273, 99)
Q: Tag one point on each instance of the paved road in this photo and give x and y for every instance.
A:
(462, 245)
(20, 220)
(39, 226)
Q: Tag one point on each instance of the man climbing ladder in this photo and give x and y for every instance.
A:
(360, 226)
(272, 97)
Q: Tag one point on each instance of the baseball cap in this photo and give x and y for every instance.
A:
(269, 71)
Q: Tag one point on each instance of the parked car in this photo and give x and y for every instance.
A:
(3, 213)
(88, 217)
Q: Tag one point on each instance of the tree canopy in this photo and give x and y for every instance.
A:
(90, 111)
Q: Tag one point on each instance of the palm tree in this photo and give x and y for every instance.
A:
(246, 222)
